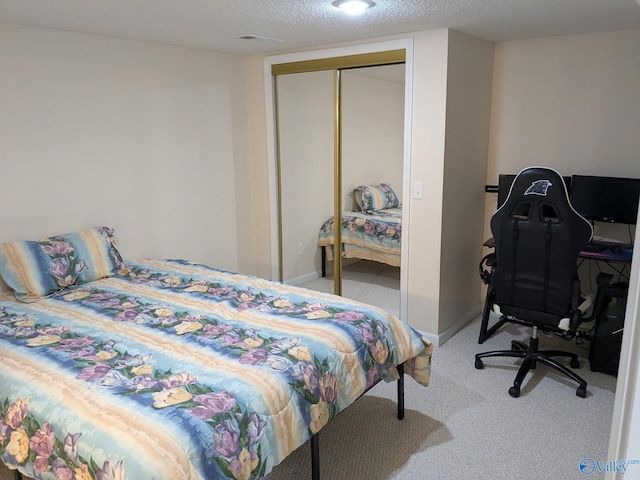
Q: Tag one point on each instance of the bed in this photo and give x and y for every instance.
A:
(370, 232)
(158, 369)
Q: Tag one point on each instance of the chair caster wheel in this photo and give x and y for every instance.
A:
(581, 392)
(575, 363)
(514, 392)
(479, 364)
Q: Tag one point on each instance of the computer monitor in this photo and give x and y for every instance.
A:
(504, 185)
(606, 199)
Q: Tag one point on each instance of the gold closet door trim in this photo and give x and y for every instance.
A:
(348, 61)
(337, 182)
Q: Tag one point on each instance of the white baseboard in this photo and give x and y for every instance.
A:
(307, 277)
(439, 339)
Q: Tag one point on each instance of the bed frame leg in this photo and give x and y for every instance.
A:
(323, 255)
(315, 457)
(17, 475)
(401, 391)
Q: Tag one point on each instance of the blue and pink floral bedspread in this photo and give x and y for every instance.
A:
(176, 370)
(370, 236)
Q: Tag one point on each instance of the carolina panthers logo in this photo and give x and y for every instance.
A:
(539, 187)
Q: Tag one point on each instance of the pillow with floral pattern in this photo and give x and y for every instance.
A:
(37, 269)
(372, 198)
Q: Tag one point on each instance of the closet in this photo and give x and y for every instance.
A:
(339, 123)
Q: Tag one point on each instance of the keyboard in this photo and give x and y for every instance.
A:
(594, 247)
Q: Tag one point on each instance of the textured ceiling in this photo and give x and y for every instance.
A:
(216, 24)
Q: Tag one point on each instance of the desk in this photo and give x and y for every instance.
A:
(623, 255)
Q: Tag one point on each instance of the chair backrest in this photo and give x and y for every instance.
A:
(538, 237)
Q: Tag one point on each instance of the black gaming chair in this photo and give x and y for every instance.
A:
(533, 277)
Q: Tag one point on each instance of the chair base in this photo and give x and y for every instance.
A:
(531, 357)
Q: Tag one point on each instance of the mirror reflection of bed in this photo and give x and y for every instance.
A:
(372, 120)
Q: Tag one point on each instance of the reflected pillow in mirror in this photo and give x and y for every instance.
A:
(371, 198)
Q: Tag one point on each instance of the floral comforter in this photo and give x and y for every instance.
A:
(371, 236)
(177, 370)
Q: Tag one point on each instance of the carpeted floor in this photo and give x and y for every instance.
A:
(369, 282)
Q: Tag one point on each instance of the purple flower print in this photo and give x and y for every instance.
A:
(254, 357)
(73, 343)
(70, 444)
(93, 372)
(212, 403)
(23, 331)
(112, 378)
(370, 228)
(42, 443)
(61, 470)
(244, 464)
(310, 378)
(126, 316)
(144, 383)
(133, 361)
(349, 316)
(381, 329)
(178, 380)
(284, 344)
(57, 247)
(61, 330)
(16, 413)
(246, 306)
(100, 297)
(212, 331)
(229, 339)
(329, 385)
(227, 291)
(107, 472)
(366, 333)
(59, 268)
(255, 427)
(225, 439)
(107, 302)
(85, 353)
(372, 376)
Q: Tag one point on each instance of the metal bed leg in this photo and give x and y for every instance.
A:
(323, 254)
(315, 457)
(401, 391)
(17, 475)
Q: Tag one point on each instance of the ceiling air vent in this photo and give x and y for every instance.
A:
(249, 36)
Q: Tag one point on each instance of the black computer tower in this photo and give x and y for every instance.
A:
(604, 353)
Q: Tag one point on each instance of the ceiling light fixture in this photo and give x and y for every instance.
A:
(353, 7)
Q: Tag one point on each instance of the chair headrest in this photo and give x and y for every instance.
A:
(538, 184)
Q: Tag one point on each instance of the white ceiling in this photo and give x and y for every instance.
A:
(216, 24)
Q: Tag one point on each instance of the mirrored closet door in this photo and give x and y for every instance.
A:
(339, 129)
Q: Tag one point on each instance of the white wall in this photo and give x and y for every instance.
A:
(427, 165)
(146, 138)
(568, 102)
(465, 166)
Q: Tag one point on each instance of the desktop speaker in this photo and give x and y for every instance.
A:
(604, 352)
